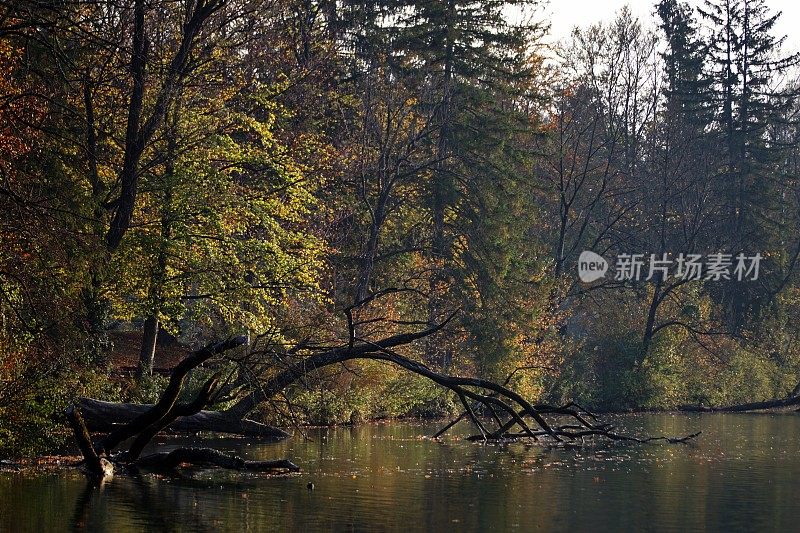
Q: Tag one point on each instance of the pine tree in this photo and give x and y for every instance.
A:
(473, 61)
(687, 85)
(460, 70)
(745, 65)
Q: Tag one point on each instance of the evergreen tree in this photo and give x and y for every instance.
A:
(473, 61)
(684, 58)
(745, 65)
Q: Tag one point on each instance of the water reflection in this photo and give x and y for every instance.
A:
(741, 475)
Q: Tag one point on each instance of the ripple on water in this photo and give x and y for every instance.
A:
(740, 474)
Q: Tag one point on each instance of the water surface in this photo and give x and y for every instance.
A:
(742, 474)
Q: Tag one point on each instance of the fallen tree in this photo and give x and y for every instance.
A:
(496, 410)
(105, 417)
(150, 420)
(780, 403)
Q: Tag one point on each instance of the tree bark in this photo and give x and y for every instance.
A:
(149, 420)
(337, 355)
(144, 422)
(105, 417)
(157, 413)
(97, 467)
(157, 280)
(441, 184)
(147, 353)
(744, 407)
(138, 132)
(368, 257)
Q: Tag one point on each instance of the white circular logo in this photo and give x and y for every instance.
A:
(591, 266)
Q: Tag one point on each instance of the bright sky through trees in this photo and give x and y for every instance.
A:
(565, 14)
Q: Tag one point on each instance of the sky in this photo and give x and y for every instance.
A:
(565, 14)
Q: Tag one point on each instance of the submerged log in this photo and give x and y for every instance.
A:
(105, 417)
(165, 410)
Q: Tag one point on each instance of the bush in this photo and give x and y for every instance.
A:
(375, 391)
(33, 422)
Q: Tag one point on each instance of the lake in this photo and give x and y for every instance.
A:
(741, 474)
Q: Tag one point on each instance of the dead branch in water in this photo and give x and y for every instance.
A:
(150, 421)
(782, 403)
(512, 416)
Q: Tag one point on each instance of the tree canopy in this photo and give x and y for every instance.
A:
(311, 173)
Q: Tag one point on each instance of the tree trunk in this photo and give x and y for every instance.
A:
(144, 422)
(649, 327)
(104, 417)
(440, 193)
(744, 407)
(98, 468)
(368, 258)
(158, 278)
(147, 353)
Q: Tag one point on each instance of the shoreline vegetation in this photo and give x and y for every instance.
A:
(243, 215)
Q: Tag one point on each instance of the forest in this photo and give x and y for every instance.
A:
(347, 211)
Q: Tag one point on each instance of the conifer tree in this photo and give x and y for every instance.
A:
(745, 63)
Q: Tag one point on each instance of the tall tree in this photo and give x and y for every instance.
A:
(469, 54)
(746, 63)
